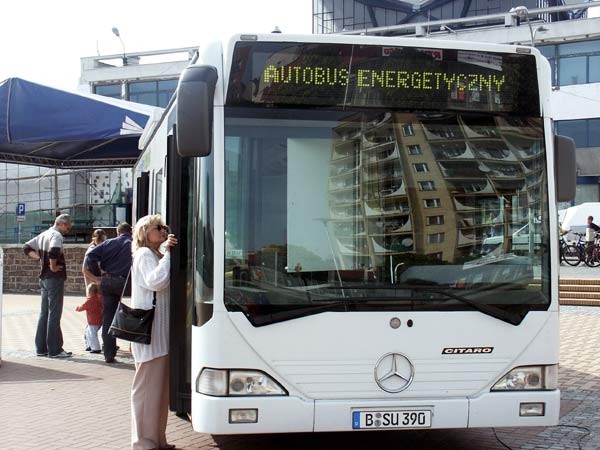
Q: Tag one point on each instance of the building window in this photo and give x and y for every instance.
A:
(435, 238)
(432, 203)
(414, 149)
(572, 70)
(435, 220)
(407, 130)
(426, 185)
(573, 62)
(437, 256)
(421, 167)
(154, 93)
(108, 90)
(585, 132)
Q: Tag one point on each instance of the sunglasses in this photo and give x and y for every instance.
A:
(161, 228)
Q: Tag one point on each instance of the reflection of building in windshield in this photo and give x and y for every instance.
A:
(431, 185)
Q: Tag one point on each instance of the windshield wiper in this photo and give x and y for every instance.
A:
(281, 316)
(514, 318)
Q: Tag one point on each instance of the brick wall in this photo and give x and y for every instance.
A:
(21, 273)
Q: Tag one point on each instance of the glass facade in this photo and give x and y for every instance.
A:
(573, 62)
(89, 196)
(147, 92)
(155, 93)
(108, 90)
(585, 132)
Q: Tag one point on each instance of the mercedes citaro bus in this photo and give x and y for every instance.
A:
(332, 196)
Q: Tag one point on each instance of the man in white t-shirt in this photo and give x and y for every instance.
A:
(47, 247)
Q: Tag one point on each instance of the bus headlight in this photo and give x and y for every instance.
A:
(234, 382)
(529, 378)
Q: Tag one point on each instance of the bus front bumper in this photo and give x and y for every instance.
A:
(294, 415)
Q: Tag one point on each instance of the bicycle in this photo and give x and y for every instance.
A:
(572, 254)
(592, 252)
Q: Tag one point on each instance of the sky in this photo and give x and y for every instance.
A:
(42, 41)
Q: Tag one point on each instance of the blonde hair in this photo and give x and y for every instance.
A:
(92, 289)
(141, 229)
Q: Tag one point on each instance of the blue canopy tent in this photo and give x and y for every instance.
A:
(43, 126)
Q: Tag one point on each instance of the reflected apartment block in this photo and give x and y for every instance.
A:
(432, 185)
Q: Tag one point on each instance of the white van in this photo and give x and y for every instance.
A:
(520, 241)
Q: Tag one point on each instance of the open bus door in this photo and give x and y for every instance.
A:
(178, 211)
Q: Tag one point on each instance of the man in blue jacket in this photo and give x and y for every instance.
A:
(113, 258)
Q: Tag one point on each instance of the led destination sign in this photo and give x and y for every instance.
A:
(398, 78)
(385, 79)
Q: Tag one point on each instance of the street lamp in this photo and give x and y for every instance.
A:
(115, 31)
(523, 13)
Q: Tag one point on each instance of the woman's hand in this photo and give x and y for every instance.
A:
(170, 242)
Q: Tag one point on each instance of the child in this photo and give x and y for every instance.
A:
(93, 309)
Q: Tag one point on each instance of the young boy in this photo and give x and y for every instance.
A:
(93, 309)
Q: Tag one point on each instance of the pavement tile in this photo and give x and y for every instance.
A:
(83, 403)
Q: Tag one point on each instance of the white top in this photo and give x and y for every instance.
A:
(150, 273)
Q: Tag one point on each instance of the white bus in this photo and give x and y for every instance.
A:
(332, 195)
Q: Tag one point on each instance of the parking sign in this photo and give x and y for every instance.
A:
(20, 212)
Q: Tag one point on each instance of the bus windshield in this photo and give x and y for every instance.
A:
(355, 210)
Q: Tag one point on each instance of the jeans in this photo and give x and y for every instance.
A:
(112, 288)
(91, 337)
(48, 337)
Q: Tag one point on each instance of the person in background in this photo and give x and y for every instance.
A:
(48, 248)
(591, 229)
(112, 258)
(150, 388)
(92, 274)
(93, 309)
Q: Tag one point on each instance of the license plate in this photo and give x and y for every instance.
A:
(391, 419)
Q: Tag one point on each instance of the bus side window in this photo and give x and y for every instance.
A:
(142, 195)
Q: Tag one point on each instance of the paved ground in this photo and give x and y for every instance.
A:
(581, 271)
(83, 403)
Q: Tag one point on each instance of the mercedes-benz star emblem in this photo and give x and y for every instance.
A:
(394, 372)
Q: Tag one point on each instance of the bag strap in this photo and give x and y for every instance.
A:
(125, 286)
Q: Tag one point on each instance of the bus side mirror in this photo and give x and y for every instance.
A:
(565, 168)
(195, 97)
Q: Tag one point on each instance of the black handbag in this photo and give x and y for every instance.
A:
(133, 324)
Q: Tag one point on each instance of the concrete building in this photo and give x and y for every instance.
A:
(143, 77)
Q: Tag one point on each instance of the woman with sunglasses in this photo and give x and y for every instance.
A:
(150, 389)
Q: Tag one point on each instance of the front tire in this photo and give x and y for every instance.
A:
(572, 255)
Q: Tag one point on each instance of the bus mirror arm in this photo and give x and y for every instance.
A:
(195, 99)
(565, 169)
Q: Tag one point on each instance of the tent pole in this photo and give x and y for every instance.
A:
(56, 210)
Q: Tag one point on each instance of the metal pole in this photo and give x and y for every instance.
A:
(55, 191)
(1, 289)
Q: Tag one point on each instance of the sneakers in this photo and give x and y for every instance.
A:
(42, 353)
(110, 360)
(62, 354)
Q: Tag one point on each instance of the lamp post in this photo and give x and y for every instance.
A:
(523, 13)
(115, 31)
